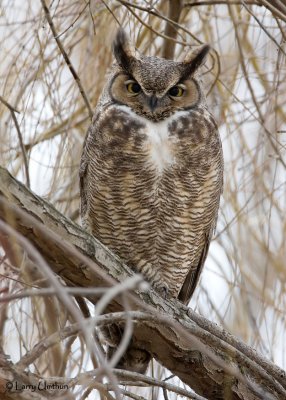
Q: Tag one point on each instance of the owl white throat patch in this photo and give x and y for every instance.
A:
(160, 142)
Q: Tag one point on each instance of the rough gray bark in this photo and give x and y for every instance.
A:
(204, 356)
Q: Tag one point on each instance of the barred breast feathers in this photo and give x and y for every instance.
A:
(161, 139)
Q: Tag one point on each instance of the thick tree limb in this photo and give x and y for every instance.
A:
(205, 357)
(174, 11)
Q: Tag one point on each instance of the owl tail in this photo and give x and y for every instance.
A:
(134, 359)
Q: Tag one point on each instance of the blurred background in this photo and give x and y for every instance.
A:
(243, 286)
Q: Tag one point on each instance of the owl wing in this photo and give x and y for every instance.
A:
(83, 197)
(82, 175)
(193, 276)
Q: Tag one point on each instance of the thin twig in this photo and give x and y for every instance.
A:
(218, 2)
(244, 3)
(275, 8)
(66, 58)
(8, 105)
(111, 12)
(247, 79)
(20, 138)
(50, 291)
(74, 329)
(132, 376)
(73, 22)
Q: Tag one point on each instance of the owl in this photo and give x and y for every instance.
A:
(151, 174)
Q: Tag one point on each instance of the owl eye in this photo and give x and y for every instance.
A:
(133, 87)
(176, 91)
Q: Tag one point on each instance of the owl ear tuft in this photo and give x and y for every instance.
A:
(123, 51)
(195, 59)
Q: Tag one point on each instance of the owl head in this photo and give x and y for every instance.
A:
(154, 87)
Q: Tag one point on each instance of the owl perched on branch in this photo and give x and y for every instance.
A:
(151, 173)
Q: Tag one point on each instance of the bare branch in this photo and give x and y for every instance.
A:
(20, 138)
(175, 8)
(66, 58)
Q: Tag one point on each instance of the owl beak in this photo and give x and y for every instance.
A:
(152, 102)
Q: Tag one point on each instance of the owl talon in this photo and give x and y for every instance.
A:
(163, 290)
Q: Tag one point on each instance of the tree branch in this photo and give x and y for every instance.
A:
(174, 11)
(201, 354)
(66, 58)
(276, 7)
(20, 138)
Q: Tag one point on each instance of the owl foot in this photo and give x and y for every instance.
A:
(154, 277)
(135, 359)
(162, 289)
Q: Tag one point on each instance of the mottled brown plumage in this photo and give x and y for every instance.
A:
(151, 172)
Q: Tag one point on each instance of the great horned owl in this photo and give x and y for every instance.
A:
(151, 172)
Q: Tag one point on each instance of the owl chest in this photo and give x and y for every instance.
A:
(129, 140)
(139, 157)
(158, 147)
